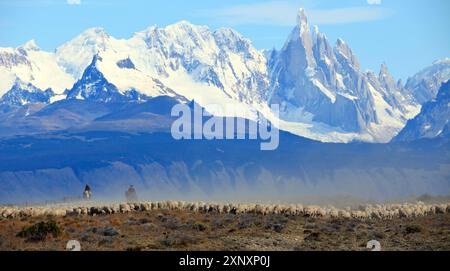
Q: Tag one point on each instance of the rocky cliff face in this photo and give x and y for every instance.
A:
(433, 121)
(424, 85)
(30, 64)
(23, 93)
(325, 83)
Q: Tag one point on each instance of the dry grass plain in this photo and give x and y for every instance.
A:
(191, 231)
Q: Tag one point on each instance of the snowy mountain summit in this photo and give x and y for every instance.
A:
(433, 121)
(322, 91)
(317, 82)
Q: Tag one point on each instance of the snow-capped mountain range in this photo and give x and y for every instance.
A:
(425, 85)
(433, 120)
(317, 82)
(322, 91)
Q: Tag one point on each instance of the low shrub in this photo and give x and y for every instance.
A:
(410, 229)
(40, 231)
(198, 226)
(178, 240)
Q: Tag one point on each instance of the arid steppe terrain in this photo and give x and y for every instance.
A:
(165, 229)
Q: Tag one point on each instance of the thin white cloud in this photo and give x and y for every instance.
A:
(52, 3)
(374, 2)
(348, 15)
(29, 3)
(74, 2)
(284, 14)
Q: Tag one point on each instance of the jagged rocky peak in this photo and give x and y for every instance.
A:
(75, 55)
(372, 77)
(23, 93)
(302, 32)
(316, 31)
(30, 45)
(94, 38)
(185, 29)
(433, 120)
(184, 24)
(316, 47)
(232, 40)
(345, 54)
(386, 78)
(311, 76)
(18, 83)
(316, 35)
(93, 84)
(384, 71)
(148, 35)
(302, 20)
(444, 61)
(95, 33)
(424, 85)
(322, 48)
(296, 56)
(178, 41)
(13, 58)
(92, 72)
(155, 38)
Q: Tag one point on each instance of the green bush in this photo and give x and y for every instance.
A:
(40, 231)
(179, 240)
(413, 229)
(199, 226)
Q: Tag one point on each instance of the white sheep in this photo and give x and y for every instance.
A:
(226, 209)
(195, 207)
(124, 208)
(387, 211)
(333, 213)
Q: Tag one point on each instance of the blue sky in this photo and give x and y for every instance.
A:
(406, 35)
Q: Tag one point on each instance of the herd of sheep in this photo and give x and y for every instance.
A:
(386, 211)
